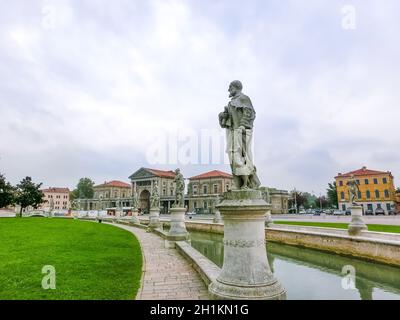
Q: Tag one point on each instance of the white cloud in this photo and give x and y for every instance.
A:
(102, 77)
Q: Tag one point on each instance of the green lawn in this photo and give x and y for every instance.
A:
(91, 260)
(371, 227)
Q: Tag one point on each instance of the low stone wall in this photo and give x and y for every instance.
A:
(374, 246)
(370, 246)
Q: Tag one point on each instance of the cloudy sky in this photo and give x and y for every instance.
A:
(93, 87)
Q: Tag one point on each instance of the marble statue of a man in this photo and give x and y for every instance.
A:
(237, 118)
(353, 190)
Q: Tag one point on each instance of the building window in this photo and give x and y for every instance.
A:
(195, 189)
(366, 181)
(341, 183)
(379, 206)
(342, 195)
(215, 188)
(359, 195)
(375, 181)
(384, 180)
(172, 191)
(205, 189)
(343, 207)
(205, 205)
(195, 205)
(388, 206)
(164, 192)
(369, 205)
(358, 182)
(377, 194)
(386, 193)
(227, 187)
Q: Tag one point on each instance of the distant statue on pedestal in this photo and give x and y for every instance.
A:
(155, 197)
(237, 118)
(135, 200)
(353, 190)
(179, 189)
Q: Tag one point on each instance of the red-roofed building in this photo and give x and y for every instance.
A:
(143, 181)
(205, 188)
(376, 189)
(57, 197)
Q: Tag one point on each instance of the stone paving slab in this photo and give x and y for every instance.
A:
(166, 274)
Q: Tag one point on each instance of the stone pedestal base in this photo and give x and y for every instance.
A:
(357, 222)
(177, 231)
(134, 218)
(154, 218)
(245, 273)
(178, 227)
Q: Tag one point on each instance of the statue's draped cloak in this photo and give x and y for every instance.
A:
(240, 113)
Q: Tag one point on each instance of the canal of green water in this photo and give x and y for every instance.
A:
(312, 274)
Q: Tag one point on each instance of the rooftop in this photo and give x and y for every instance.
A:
(363, 172)
(114, 183)
(56, 190)
(162, 173)
(212, 174)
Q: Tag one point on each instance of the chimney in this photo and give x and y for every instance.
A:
(364, 168)
(339, 174)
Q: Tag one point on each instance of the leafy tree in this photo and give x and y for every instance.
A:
(7, 192)
(297, 197)
(311, 198)
(332, 194)
(84, 189)
(398, 190)
(28, 194)
(321, 202)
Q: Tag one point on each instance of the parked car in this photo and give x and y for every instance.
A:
(328, 211)
(302, 212)
(392, 213)
(348, 212)
(317, 213)
(338, 213)
(369, 212)
(379, 211)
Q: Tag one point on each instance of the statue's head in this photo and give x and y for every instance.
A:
(234, 88)
(177, 171)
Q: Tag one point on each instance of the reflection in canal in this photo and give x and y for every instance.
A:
(311, 274)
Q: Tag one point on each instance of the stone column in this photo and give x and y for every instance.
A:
(357, 222)
(245, 273)
(154, 218)
(177, 231)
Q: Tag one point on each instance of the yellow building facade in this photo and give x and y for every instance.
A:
(376, 189)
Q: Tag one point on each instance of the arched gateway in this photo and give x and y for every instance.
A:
(144, 201)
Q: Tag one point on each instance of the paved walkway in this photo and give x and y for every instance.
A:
(167, 275)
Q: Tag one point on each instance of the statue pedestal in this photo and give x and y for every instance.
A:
(357, 222)
(178, 231)
(217, 217)
(245, 273)
(154, 218)
(135, 218)
(268, 217)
